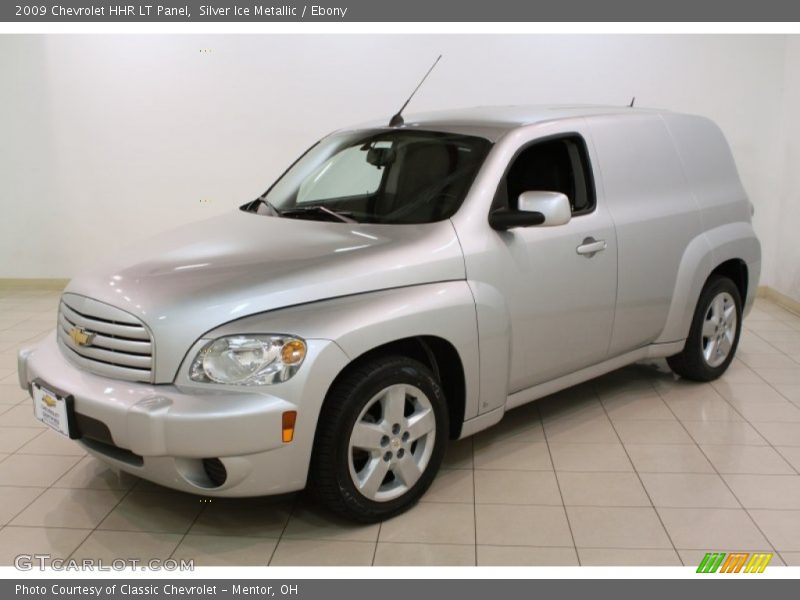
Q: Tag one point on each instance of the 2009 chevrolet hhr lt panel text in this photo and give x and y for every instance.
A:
(397, 287)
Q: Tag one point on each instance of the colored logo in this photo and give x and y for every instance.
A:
(734, 562)
(80, 336)
(48, 400)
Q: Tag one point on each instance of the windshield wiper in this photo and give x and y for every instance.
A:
(269, 205)
(302, 210)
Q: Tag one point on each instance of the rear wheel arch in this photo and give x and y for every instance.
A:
(736, 270)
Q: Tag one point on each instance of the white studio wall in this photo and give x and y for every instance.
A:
(786, 217)
(108, 139)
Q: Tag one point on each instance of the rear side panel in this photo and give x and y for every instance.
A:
(725, 212)
(656, 217)
(710, 170)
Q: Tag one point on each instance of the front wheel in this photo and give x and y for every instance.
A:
(714, 334)
(380, 439)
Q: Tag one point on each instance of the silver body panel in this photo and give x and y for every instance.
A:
(526, 311)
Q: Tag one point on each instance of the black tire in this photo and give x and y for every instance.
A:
(330, 480)
(690, 363)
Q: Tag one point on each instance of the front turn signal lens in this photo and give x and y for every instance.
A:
(293, 352)
(287, 425)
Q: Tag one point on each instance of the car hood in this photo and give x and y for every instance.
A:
(190, 280)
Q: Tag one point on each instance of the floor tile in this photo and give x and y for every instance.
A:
(21, 416)
(642, 408)
(12, 394)
(91, 473)
(225, 551)
(521, 556)
(589, 457)
(516, 487)
(244, 517)
(712, 528)
(782, 527)
(13, 438)
(751, 344)
(766, 491)
(518, 425)
(747, 459)
(392, 554)
(14, 500)
(688, 490)
(52, 443)
(578, 430)
(507, 525)
(746, 393)
(724, 432)
(432, 523)
(738, 372)
(615, 527)
(652, 432)
(619, 557)
(38, 471)
(58, 543)
(138, 545)
(602, 489)
(770, 412)
(757, 361)
(70, 508)
(451, 485)
(789, 376)
(154, 512)
(557, 408)
(792, 559)
(312, 522)
(780, 434)
(458, 454)
(701, 404)
(530, 456)
(787, 342)
(791, 454)
(323, 553)
(628, 381)
(668, 458)
(790, 392)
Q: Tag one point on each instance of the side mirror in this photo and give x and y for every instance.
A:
(535, 208)
(553, 205)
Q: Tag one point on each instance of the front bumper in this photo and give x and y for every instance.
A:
(163, 433)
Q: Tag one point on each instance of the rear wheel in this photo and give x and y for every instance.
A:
(380, 439)
(714, 334)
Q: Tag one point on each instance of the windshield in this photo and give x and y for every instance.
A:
(383, 176)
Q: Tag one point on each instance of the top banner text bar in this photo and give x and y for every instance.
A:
(464, 11)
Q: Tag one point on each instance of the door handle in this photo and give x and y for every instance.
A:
(590, 246)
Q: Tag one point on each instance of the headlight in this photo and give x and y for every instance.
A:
(248, 360)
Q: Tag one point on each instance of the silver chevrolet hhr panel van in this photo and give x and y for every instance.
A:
(397, 287)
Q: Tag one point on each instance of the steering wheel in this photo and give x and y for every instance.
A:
(427, 195)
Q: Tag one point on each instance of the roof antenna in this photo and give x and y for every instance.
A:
(397, 119)
(632, 101)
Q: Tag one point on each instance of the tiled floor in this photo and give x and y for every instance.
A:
(633, 468)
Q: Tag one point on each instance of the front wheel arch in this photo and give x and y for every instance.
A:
(440, 356)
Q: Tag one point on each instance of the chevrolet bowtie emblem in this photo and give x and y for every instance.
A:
(80, 336)
(49, 401)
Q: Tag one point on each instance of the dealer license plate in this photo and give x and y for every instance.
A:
(52, 408)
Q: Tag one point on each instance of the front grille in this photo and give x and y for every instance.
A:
(118, 346)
